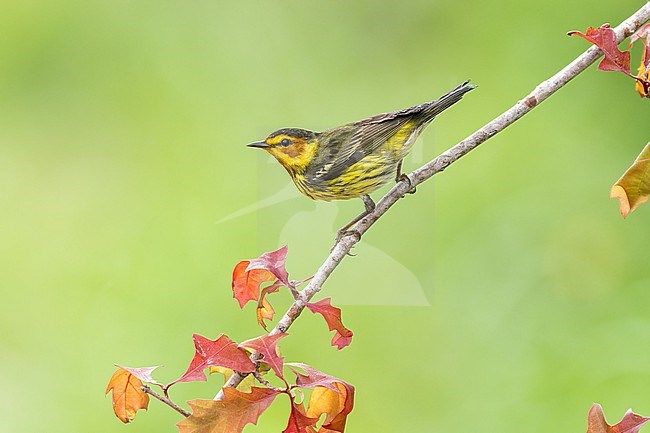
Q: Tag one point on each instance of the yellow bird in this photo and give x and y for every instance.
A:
(353, 160)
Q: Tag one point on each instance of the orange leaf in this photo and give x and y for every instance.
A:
(327, 401)
(246, 283)
(314, 379)
(631, 422)
(643, 81)
(633, 188)
(249, 274)
(128, 397)
(264, 308)
(229, 415)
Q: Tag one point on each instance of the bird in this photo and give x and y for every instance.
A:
(355, 159)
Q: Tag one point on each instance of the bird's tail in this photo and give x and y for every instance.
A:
(433, 108)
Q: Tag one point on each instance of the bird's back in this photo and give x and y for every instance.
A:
(359, 157)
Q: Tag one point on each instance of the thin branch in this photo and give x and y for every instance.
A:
(165, 400)
(533, 99)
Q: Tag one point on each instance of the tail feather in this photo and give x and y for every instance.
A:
(431, 109)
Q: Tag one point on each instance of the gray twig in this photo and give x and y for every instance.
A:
(165, 400)
(523, 106)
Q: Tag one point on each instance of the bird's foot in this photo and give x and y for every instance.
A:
(344, 232)
(405, 178)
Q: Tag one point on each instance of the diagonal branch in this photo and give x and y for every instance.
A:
(534, 98)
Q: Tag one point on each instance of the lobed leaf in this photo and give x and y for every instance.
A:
(142, 373)
(633, 188)
(230, 415)
(246, 283)
(327, 401)
(299, 420)
(128, 396)
(643, 77)
(643, 32)
(244, 386)
(267, 346)
(220, 352)
(324, 396)
(596, 423)
(273, 262)
(332, 315)
(264, 308)
(605, 39)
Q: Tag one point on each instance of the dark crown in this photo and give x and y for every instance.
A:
(293, 132)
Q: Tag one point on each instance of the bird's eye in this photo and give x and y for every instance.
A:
(285, 142)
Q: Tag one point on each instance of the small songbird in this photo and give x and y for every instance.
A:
(355, 159)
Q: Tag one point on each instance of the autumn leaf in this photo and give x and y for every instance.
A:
(643, 79)
(325, 402)
(332, 315)
(222, 352)
(246, 283)
(273, 262)
(142, 373)
(299, 421)
(643, 32)
(128, 397)
(633, 188)
(631, 422)
(605, 39)
(642, 86)
(248, 275)
(264, 308)
(267, 346)
(229, 415)
(244, 386)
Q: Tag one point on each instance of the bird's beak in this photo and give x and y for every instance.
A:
(259, 144)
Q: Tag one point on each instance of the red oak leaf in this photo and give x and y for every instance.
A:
(142, 373)
(332, 315)
(631, 422)
(273, 262)
(323, 401)
(643, 78)
(264, 308)
(229, 415)
(246, 284)
(221, 352)
(299, 422)
(326, 401)
(605, 39)
(267, 345)
(128, 397)
(643, 32)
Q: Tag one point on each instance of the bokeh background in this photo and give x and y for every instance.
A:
(507, 294)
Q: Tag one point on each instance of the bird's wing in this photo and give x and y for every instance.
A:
(354, 142)
(351, 143)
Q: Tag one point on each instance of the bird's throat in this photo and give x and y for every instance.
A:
(295, 158)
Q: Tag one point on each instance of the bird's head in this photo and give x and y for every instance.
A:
(293, 148)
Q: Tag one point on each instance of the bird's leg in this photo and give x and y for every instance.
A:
(399, 176)
(370, 206)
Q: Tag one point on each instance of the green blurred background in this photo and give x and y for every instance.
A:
(123, 175)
